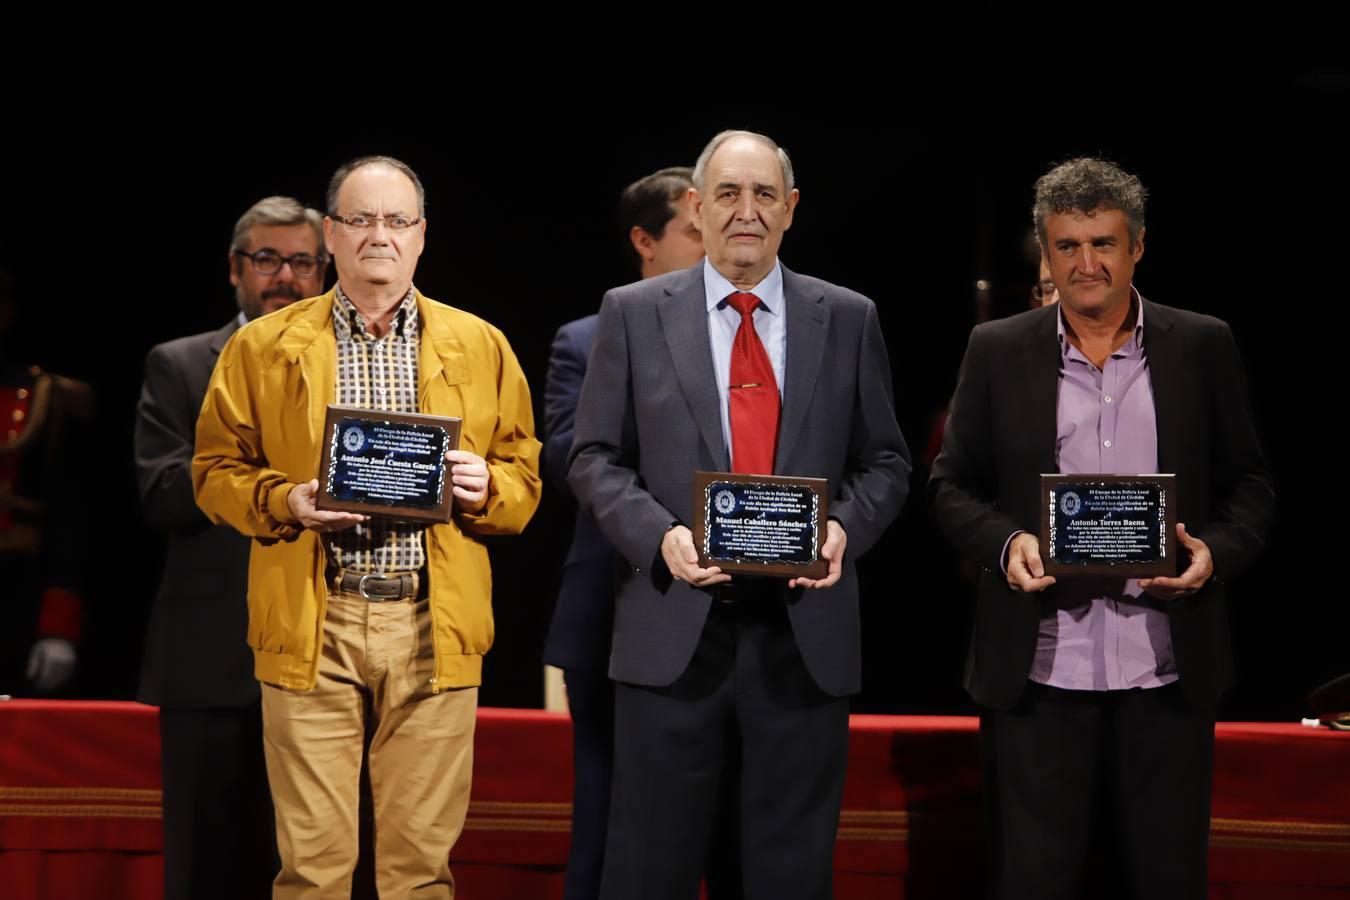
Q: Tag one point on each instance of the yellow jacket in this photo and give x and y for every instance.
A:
(259, 435)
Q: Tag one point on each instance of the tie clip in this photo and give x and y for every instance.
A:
(750, 385)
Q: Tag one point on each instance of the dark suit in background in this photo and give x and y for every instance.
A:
(579, 634)
(659, 236)
(218, 829)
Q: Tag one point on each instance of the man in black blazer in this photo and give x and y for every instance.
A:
(218, 831)
(1099, 693)
(660, 237)
(709, 667)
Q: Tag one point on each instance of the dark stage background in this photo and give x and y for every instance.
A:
(915, 183)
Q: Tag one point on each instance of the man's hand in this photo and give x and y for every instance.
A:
(50, 664)
(835, 541)
(677, 549)
(1191, 580)
(300, 501)
(1025, 570)
(469, 478)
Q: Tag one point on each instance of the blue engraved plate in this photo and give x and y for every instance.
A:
(750, 522)
(1107, 524)
(387, 463)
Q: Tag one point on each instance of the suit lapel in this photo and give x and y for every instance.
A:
(808, 321)
(1164, 351)
(1040, 362)
(217, 342)
(684, 322)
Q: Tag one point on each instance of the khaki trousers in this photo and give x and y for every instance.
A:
(374, 673)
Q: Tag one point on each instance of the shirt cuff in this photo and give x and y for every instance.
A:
(1003, 557)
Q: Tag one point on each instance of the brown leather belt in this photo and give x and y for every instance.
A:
(400, 586)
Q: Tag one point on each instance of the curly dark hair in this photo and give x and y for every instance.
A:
(1086, 185)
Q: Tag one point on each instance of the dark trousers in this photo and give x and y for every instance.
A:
(590, 697)
(746, 703)
(1119, 777)
(219, 836)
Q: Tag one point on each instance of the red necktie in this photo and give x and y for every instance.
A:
(754, 395)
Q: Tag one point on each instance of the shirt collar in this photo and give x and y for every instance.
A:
(348, 321)
(1137, 338)
(717, 289)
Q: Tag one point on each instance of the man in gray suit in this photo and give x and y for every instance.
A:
(735, 364)
(218, 832)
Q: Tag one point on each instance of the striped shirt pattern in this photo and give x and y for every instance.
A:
(377, 373)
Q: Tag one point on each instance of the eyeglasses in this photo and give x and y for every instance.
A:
(269, 262)
(393, 223)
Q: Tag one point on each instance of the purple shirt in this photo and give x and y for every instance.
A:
(1105, 634)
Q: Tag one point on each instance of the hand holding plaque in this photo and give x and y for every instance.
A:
(836, 540)
(470, 477)
(387, 464)
(761, 524)
(300, 501)
(681, 558)
(1198, 570)
(1025, 571)
(1108, 525)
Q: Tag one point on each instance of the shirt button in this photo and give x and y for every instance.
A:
(1106, 444)
(1107, 398)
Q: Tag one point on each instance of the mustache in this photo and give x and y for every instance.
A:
(289, 291)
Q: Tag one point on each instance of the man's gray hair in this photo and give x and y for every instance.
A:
(276, 211)
(701, 167)
(347, 168)
(1085, 185)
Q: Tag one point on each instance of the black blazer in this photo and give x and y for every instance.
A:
(1000, 437)
(196, 649)
(649, 416)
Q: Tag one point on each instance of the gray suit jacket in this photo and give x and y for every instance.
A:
(649, 416)
(196, 648)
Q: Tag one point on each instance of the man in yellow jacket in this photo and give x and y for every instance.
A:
(367, 632)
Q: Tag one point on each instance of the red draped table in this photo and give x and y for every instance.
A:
(79, 807)
(79, 801)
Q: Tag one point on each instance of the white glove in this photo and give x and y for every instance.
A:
(51, 664)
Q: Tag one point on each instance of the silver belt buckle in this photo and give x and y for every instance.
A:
(361, 586)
